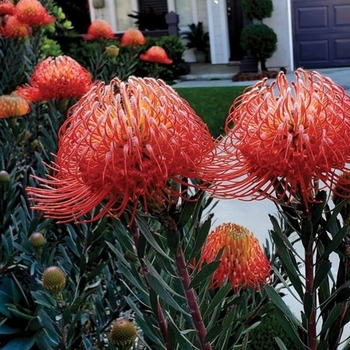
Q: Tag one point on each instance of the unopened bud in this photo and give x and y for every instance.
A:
(112, 51)
(37, 240)
(123, 334)
(4, 176)
(54, 281)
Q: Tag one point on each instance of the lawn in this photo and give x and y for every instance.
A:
(211, 104)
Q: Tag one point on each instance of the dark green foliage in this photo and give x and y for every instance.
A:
(257, 9)
(196, 37)
(259, 41)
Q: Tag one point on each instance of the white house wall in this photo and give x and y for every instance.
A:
(280, 21)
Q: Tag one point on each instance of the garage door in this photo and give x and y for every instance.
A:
(321, 33)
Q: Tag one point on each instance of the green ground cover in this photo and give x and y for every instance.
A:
(211, 103)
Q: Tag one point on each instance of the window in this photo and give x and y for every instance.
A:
(123, 8)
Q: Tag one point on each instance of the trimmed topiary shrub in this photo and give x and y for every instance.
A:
(257, 9)
(260, 42)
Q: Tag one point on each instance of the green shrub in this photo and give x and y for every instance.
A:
(257, 9)
(259, 41)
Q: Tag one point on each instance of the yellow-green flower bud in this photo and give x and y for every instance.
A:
(4, 176)
(112, 51)
(123, 334)
(54, 281)
(37, 240)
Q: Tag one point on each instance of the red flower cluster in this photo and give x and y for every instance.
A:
(285, 138)
(156, 54)
(18, 19)
(124, 144)
(242, 263)
(57, 78)
(132, 37)
(99, 29)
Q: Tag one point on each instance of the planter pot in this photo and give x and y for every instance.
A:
(248, 65)
(200, 56)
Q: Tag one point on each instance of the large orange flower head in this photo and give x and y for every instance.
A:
(7, 7)
(13, 28)
(285, 139)
(57, 78)
(156, 54)
(99, 29)
(132, 37)
(124, 145)
(242, 263)
(13, 106)
(33, 13)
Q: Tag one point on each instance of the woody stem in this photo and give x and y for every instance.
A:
(191, 299)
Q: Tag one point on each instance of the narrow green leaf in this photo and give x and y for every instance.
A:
(4, 329)
(280, 344)
(335, 242)
(321, 273)
(202, 235)
(280, 304)
(218, 298)
(163, 294)
(333, 315)
(289, 262)
(149, 236)
(308, 304)
(204, 274)
(20, 344)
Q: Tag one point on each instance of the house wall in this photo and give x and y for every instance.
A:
(281, 23)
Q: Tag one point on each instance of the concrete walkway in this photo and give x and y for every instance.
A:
(221, 75)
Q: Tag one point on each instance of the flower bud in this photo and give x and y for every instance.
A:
(54, 280)
(112, 51)
(37, 240)
(4, 176)
(123, 334)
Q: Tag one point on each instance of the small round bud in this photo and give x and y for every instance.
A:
(54, 280)
(123, 334)
(112, 51)
(37, 240)
(4, 176)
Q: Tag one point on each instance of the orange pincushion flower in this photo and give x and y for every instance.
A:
(124, 144)
(242, 263)
(57, 78)
(13, 28)
(156, 54)
(13, 106)
(286, 137)
(33, 13)
(7, 7)
(132, 37)
(99, 29)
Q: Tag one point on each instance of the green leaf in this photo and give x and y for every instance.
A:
(202, 235)
(280, 344)
(20, 344)
(335, 242)
(218, 298)
(280, 304)
(321, 273)
(204, 274)
(4, 329)
(308, 304)
(288, 261)
(333, 315)
(144, 228)
(163, 294)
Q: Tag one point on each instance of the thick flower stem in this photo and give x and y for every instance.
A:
(309, 273)
(191, 299)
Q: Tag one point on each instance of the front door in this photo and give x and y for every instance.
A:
(235, 26)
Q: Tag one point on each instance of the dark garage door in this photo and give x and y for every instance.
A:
(321, 31)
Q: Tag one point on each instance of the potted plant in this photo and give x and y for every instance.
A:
(257, 39)
(198, 39)
(260, 42)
